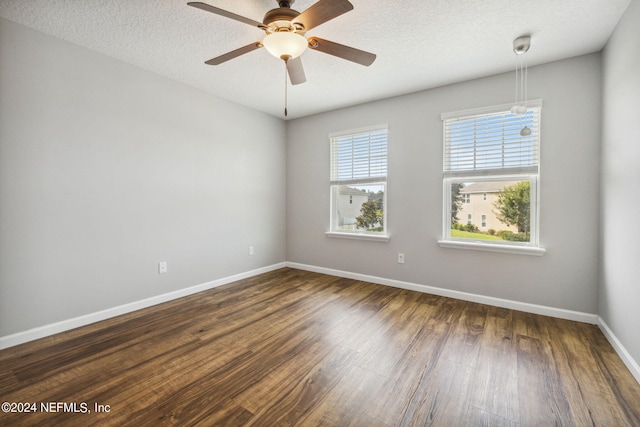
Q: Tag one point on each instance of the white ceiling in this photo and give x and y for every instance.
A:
(420, 44)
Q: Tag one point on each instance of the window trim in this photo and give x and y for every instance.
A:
(518, 174)
(378, 236)
(358, 236)
(501, 248)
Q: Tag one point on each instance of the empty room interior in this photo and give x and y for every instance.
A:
(329, 212)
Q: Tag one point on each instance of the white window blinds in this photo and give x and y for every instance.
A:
(490, 142)
(359, 157)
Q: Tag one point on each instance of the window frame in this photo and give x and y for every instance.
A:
(497, 174)
(335, 182)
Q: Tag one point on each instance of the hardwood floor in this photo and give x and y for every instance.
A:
(297, 348)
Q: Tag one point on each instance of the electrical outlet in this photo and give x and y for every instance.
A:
(250, 250)
(400, 258)
(162, 267)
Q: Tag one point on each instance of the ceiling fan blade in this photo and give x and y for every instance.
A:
(296, 71)
(341, 51)
(234, 53)
(321, 12)
(221, 12)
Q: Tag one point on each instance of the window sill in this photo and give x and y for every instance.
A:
(358, 236)
(477, 246)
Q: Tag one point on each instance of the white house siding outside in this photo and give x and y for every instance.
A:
(477, 206)
(350, 201)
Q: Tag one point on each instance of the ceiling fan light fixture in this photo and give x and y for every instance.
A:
(285, 44)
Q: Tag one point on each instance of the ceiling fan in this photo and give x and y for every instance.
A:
(285, 39)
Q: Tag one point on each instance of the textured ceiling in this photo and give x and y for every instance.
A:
(420, 44)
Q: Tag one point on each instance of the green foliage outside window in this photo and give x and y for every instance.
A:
(371, 216)
(514, 206)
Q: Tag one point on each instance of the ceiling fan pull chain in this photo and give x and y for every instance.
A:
(285, 88)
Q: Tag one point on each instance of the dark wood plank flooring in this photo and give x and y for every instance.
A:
(297, 348)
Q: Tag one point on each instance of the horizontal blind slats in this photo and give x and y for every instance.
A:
(359, 158)
(492, 172)
(491, 142)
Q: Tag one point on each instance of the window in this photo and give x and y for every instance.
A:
(359, 183)
(485, 153)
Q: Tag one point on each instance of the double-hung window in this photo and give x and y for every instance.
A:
(490, 179)
(358, 183)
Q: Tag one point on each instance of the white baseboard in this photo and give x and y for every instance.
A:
(65, 325)
(631, 364)
(498, 302)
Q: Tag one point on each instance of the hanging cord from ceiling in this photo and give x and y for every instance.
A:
(522, 77)
(521, 47)
(525, 131)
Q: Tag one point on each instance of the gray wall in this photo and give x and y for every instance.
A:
(620, 283)
(106, 169)
(565, 277)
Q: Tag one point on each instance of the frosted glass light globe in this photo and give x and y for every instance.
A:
(285, 44)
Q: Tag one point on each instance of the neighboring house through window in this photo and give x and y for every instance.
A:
(482, 197)
(358, 183)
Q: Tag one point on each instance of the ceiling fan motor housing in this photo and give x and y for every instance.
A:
(281, 17)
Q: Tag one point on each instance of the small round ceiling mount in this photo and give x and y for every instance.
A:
(521, 44)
